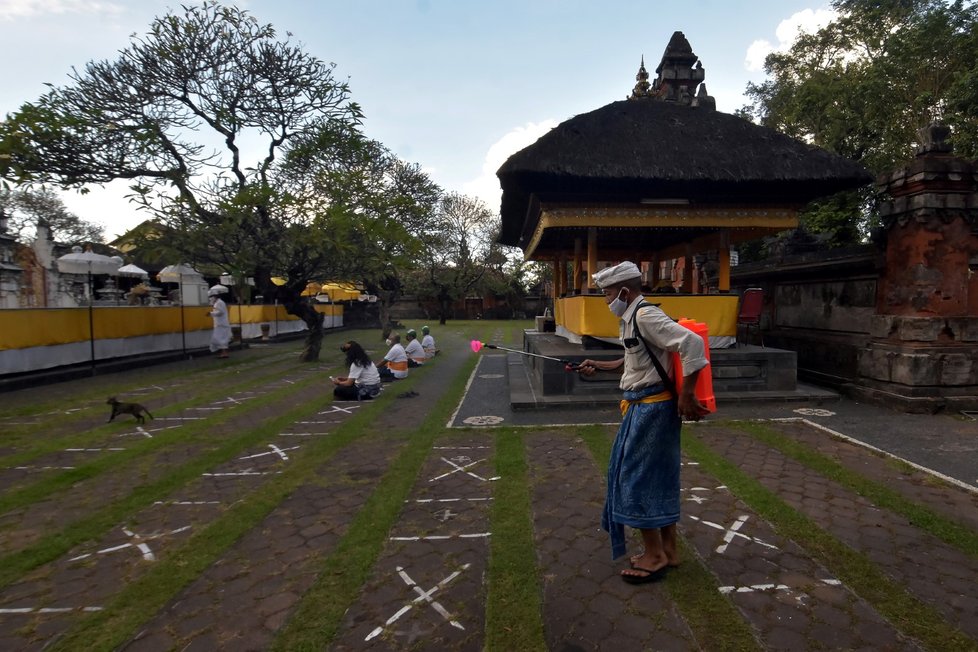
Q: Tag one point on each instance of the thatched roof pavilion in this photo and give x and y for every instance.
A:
(662, 174)
(646, 152)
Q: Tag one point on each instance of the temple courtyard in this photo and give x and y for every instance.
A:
(253, 512)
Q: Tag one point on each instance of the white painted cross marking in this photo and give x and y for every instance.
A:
(444, 500)
(231, 399)
(146, 433)
(275, 451)
(423, 596)
(458, 469)
(139, 545)
(444, 537)
(336, 408)
(47, 610)
(769, 587)
(445, 514)
(731, 532)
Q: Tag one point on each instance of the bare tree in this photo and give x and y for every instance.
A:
(461, 248)
(25, 208)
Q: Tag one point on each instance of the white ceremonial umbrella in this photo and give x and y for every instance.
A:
(217, 289)
(175, 273)
(134, 271)
(89, 262)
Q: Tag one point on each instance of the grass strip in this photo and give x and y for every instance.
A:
(513, 608)
(27, 494)
(954, 534)
(144, 597)
(715, 622)
(91, 526)
(910, 615)
(147, 595)
(317, 617)
(39, 446)
(152, 375)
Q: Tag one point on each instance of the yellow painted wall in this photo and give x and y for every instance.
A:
(24, 328)
(589, 314)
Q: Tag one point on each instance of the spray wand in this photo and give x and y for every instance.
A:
(568, 364)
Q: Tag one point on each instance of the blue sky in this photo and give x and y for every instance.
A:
(454, 85)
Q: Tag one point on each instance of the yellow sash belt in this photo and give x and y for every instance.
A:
(654, 398)
(398, 366)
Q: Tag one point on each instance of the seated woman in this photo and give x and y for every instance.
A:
(363, 382)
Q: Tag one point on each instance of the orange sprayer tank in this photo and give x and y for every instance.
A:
(704, 383)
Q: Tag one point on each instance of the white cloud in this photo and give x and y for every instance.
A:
(486, 186)
(13, 9)
(807, 21)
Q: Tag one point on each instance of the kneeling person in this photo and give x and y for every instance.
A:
(394, 366)
(428, 343)
(363, 383)
(413, 350)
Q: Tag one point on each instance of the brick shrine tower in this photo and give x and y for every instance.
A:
(923, 356)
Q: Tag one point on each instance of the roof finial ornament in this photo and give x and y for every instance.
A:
(642, 85)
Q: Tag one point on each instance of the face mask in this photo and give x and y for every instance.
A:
(617, 306)
(388, 341)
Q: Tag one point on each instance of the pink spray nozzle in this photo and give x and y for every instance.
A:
(476, 346)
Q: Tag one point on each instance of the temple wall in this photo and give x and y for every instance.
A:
(819, 305)
(38, 338)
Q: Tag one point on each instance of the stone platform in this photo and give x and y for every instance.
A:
(742, 373)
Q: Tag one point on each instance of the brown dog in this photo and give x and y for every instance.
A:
(135, 409)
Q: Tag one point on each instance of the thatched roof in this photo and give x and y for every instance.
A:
(646, 149)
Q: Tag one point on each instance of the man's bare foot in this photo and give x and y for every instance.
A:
(673, 560)
(645, 569)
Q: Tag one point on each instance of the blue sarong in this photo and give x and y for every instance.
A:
(643, 472)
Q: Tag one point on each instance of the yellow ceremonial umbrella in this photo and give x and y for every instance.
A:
(339, 291)
(312, 289)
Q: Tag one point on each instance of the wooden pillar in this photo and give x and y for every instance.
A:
(558, 280)
(688, 271)
(562, 268)
(592, 255)
(578, 259)
(723, 278)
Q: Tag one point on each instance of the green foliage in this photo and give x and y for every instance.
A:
(26, 207)
(462, 257)
(864, 84)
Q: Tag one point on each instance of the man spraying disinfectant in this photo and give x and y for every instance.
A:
(643, 471)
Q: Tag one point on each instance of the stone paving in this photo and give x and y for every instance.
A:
(429, 586)
(933, 571)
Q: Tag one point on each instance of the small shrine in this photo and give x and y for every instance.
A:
(665, 180)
